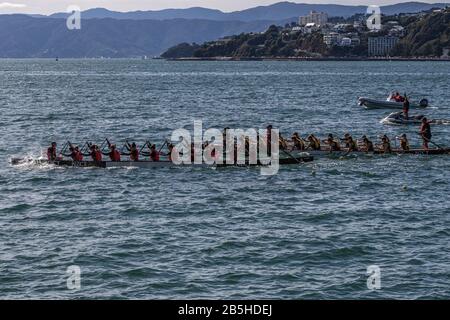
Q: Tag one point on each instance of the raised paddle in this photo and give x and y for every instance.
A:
(162, 146)
(147, 143)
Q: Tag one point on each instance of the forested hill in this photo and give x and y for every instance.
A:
(426, 35)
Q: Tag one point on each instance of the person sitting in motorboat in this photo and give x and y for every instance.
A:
(425, 132)
(404, 143)
(386, 144)
(367, 144)
(314, 143)
(397, 97)
(334, 145)
(299, 144)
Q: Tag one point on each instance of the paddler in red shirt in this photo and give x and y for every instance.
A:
(75, 153)
(51, 152)
(114, 154)
(96, 154)
(134, 152)
(154, 155)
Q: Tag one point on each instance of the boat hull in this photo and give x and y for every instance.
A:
(149, 164)
(397, 118)
(344, 152)
(380, 104)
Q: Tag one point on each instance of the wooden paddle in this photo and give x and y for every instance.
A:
(428, 140)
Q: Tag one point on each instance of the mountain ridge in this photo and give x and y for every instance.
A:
(23, 36)
(276, 11)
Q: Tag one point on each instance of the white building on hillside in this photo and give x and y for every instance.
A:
(381, 46)
(319, 18)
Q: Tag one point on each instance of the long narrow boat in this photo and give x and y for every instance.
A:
(298, 159)
(344, 152)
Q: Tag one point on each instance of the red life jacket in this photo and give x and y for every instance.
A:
(51, 154)
(114, 155)
(154, 155)
(96, 155)
(78, 156)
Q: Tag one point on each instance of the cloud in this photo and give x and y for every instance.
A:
(9, 5)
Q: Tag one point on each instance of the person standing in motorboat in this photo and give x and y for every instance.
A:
(406, 108)
(425, 132)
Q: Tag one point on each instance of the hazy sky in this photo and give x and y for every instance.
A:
(51, 6)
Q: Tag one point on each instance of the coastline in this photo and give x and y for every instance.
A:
(307, 59)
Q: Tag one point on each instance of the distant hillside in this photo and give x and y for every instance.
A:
(22, 36)
(272, 43)
(277, 11)
(426, 36)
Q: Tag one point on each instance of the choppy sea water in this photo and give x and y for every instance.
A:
(308, 232)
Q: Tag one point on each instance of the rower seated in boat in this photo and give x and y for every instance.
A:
(51, 152)
(95, 153)
(367, 144)
(133, 151)
(386, 144)
(404, 143)
(154, 154)
(299, 144)
(334, 145)
(113, 153)
(282, 142)
(171, 149)
(75, 153)
(350, 144)
(314, 143)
